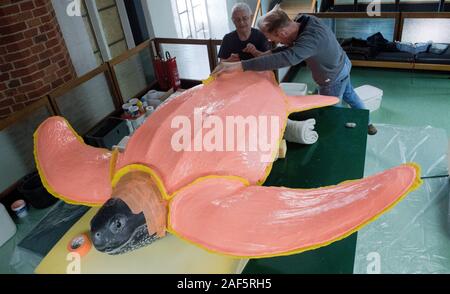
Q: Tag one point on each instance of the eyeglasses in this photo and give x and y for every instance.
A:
(239, 19)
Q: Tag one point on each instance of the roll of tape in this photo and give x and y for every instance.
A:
(80, 244)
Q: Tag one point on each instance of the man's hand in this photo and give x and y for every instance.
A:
(233, 58)
(227, 67)
(251, 49)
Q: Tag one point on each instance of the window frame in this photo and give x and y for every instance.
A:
(94, 18)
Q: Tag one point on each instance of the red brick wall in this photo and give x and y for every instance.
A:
(33, 56)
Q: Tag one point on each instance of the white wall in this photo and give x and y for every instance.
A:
(164, 25)
(76, 38)
(162, 19)
(218, 18)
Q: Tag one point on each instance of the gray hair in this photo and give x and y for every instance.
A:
(241, 7)
(273, 20)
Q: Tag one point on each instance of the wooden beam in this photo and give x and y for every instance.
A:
(127, 54)
(78, 81)
(355, 15)
(182, 41)
(113, 85)
(383, 64)
(255, 14)
(429, 66)
(425, 15)
(26, 112)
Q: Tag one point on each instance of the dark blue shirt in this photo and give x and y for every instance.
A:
(232, 44)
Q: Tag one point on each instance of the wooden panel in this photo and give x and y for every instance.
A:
(383, 64)
(182, 41)
(212, 55)
(85, 101)
(355, 15)
(133, 75)
(216, 42)
(437, 67)
(78, 81)
(126, 55)
(27, 111)
(401, 65)
(425, 15)
(258, 10)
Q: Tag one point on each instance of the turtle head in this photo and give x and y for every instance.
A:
(134, 217)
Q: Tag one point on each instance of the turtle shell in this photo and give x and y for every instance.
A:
(257, 100)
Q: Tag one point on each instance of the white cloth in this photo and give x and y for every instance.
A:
(301, 132)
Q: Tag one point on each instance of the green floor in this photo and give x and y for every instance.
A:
(410, 98)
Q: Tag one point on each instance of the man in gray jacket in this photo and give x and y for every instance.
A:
(305, 39)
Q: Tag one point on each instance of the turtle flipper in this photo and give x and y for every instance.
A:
(227, 216)
(70, 169)
(302, 103)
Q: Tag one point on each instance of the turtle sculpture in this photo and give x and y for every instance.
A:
(210, 196)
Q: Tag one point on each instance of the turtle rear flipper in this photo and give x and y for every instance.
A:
(70, 169)
(225, 215)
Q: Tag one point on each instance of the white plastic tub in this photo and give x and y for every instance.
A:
(294, 89)
(7, 226)
(371, 96)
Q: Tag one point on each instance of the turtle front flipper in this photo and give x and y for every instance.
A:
(303, 103)
(70, 169)
(225, 215)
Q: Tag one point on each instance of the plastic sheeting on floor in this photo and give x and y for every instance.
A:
(414, 237)
(24, 226)
(394, 145)
(38, 240)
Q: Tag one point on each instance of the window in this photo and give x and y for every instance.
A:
(108, 28)
(417, 30)
(112, 26)
(90, 31)
(191, 19)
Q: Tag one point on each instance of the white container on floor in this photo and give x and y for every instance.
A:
(294, 89)
(7, 226)
(371, 96)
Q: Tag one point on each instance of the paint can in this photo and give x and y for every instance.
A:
(20, 208)
(138, 103)
(134, 101)
(126, 108)
(134, 111)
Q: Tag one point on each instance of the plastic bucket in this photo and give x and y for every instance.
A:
(34, 192)
(7, 226)
(20, 208)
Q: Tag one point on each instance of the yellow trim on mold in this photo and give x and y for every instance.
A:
(41, 173)
(140, 167)
(208, 80)
(416, 184)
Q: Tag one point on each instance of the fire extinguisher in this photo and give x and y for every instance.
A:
(166, 72)
(160, 72)
(172, 72)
